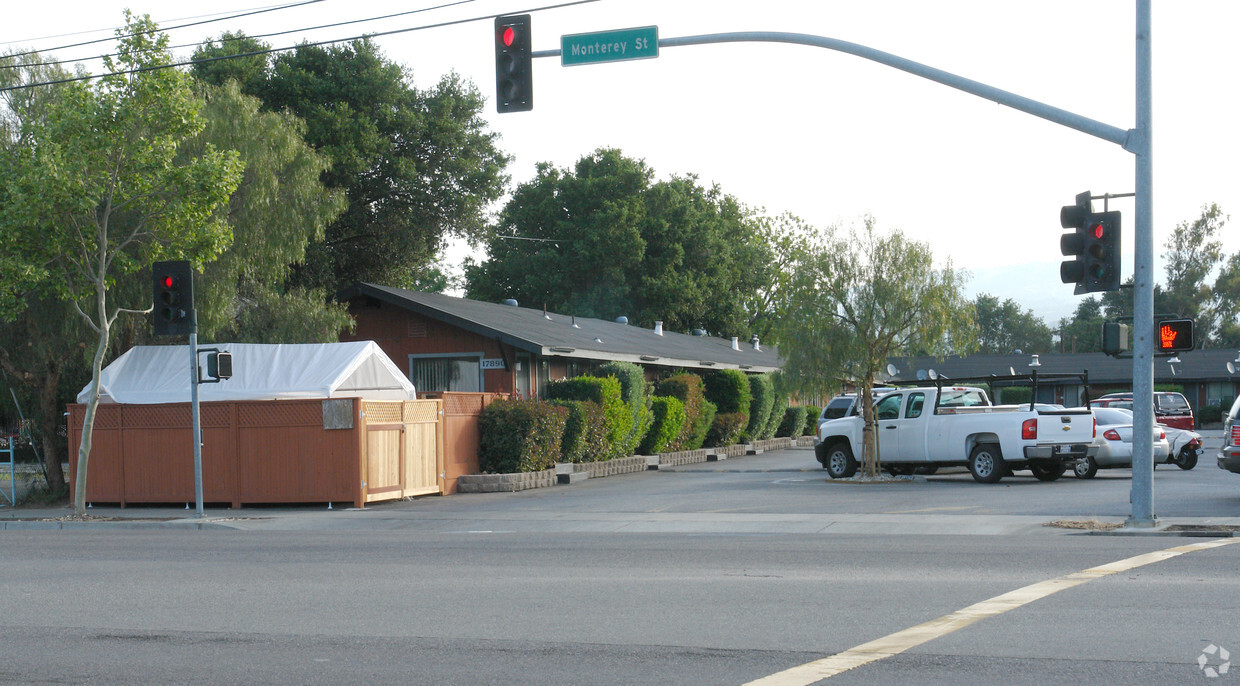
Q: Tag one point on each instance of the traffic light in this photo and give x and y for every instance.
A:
(514, 74)
(1094, 246)
(1174, 336)
(174, 298)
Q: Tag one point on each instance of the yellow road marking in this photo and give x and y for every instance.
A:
(900, 641)
(934, 509)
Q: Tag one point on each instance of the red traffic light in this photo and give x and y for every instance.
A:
(1099, 231)
(169, 281)
(508, 36)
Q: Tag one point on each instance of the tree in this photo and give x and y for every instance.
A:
(1005, 328)
(1193, 252)
(861, 298)
(279, 209)
(416, 166)
(1226, 304)
(603, 239)
(1083, 332)
(99, 193)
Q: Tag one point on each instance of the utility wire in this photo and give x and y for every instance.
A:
(113, 29)
(231, 40)
(171, 28)
(155, 67)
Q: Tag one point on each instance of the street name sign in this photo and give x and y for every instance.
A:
(609, 46)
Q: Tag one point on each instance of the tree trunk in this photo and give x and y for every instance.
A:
(50, 416)
(869, 446)
(88, 423)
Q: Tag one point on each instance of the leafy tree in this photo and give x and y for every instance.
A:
(1226, 304)
(603, 239)
(1193, 252)
(861, 298)
(416, 166)
(100, 193)
(1083, 332)
(279, 209)
(1004, 327)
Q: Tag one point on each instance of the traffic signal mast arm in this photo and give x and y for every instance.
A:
(1106, 132)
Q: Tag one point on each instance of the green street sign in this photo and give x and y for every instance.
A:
(609, 46)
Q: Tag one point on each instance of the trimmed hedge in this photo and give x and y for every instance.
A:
(705, 420)
(520, 436)
(617, 420)
(726, 429)
(668, 419)
(728, 389)
(585, 438)
(794, 422)
(762, 390)
(778, 409)
(1014, 395)
(634, 394)
(687, 388)
(811, 420)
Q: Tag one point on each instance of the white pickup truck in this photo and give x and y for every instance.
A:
(943, 426)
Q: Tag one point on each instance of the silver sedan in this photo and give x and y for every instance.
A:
(1113, 440)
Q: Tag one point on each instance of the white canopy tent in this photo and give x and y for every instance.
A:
(148, 375)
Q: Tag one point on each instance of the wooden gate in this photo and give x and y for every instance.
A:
(404, 449)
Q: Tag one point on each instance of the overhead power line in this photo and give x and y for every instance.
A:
(113, 29)
(186, 63)
(256, 36)
(172, 28)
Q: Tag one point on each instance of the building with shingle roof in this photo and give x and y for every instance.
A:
(456, 344)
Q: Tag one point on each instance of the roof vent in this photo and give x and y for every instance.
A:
(597, 339)
(699, 332)
(622, 319)
(756, 345)
(575, 324)
(510, 302)
(658, 328)
(735, 343)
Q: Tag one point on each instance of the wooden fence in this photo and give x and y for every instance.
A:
(461, 412)
(271, 451)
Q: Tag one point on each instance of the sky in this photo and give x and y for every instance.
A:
(826, 136)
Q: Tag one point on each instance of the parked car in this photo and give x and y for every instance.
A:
(1113, 443)
(1229, 456)
(1170, 409)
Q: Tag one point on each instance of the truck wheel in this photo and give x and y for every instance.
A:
(1085, 469)
(986, 464)
(1047, 471)
(1187, 459)
(840, 463)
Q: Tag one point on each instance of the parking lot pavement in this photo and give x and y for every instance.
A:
(781, 491)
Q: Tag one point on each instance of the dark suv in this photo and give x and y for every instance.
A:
(1171, 409)
(1229, 456)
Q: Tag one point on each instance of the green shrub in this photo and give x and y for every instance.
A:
(793, 424)
(617, 419)
(726, 429)
(728, 389)
(762, 394)
(520, 436)
(811, 420)
(634, 394)
(706, 419)
(668, 419)
(687, 388)
(1211, 414)
(1015, 395)
(778, 409)
(585, 438)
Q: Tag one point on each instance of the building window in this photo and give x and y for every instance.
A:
(444, 373)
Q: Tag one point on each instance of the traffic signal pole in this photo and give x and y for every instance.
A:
(194, 410)
(1137, 141)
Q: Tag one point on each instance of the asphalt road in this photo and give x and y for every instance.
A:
(722, 573)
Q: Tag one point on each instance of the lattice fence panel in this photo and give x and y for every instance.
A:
(280, 414)
(382, 413)
(421, 411)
